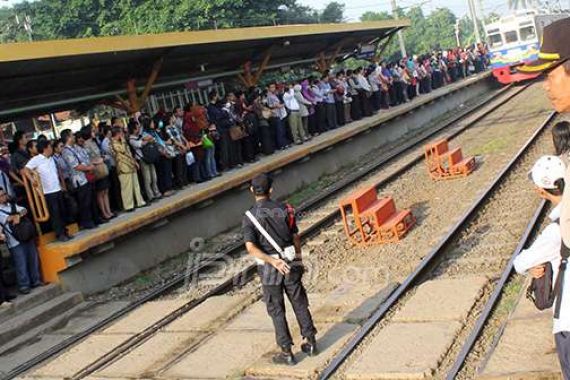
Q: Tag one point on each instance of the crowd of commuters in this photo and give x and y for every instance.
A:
(92, 175)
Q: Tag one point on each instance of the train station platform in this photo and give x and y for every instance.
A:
(98, 259)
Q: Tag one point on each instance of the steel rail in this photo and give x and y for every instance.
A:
(426, 262)
(491, 303)
(236, 248)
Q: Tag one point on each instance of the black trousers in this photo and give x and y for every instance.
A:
(84, 197)
(115, 199)
(563, 348)
(273, 296)
(180, 171)
(3, 292)
(339, 104)
(164, 174)
(320, 110)
(331, 116)
(56, 207)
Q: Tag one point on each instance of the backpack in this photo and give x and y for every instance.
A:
(150, 153)
(542, 293)
(23, 231)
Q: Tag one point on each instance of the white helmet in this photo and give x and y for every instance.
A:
(546, 171)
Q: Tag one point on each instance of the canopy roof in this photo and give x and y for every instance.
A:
(47, 76)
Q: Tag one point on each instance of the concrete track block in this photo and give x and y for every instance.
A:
(145, 316)
(405, 351)
(526, 310)
(79, 356)
(526, 346)
(331, 338)
(151, 355)
(442, 300)
(352, 304)
(225, 355)
(210, 314)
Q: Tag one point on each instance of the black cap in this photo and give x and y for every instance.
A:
(261, 184)
(554, 49)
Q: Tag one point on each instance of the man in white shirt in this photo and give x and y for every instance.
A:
(44, 165)
(295, 121)
(547, 174)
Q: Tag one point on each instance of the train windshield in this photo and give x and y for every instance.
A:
(527, 33)
(495, 40)
(511, 37)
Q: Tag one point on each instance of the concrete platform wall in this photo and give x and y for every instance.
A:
(151, 245)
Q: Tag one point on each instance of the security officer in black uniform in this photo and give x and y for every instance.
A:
(280, 272)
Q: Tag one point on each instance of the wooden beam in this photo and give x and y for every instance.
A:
(150, 82)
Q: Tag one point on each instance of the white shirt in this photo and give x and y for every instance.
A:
(290, 101)
(7, 208)
(546, 248)
(363, 83)
(46, 168)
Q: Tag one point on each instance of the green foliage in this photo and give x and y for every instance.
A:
(58, 19)
(333, 12)
(434, 31)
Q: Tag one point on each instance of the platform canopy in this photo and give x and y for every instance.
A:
(46, 76)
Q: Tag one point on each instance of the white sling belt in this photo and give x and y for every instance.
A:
(289, 252)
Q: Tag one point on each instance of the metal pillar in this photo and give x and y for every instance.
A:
(474, 18)
(400, 35)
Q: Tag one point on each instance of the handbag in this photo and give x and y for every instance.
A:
(237, 133)
(190, 159)
(207, 143)
(23, 231)
(542, 293)
(101, 171)
(150, 153)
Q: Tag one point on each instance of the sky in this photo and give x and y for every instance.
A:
(355, 8)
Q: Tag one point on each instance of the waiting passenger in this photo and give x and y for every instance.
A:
(127, 168)
(19, 157)
(153, 128)
(78, 162)
(295, 120)
(137, 141)
(5, 295)
(101, 172)
(45, 166)
(24, 253)
(278, 116)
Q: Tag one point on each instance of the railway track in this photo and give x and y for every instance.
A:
(393, 165)
(459, 265)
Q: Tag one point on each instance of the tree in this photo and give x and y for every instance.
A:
(333, 13)
(434, 31)
(56, 19)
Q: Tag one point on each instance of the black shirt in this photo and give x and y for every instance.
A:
(279, 221)
(18, 160)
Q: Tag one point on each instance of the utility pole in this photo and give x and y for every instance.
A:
(457, 33)
(474, 18)
(400, 35)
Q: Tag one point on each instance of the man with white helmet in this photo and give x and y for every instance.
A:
(548, 176)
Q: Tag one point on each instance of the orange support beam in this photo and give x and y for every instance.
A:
(248, 78)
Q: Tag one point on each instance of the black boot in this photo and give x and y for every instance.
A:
(310, 346)
(285, 357)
